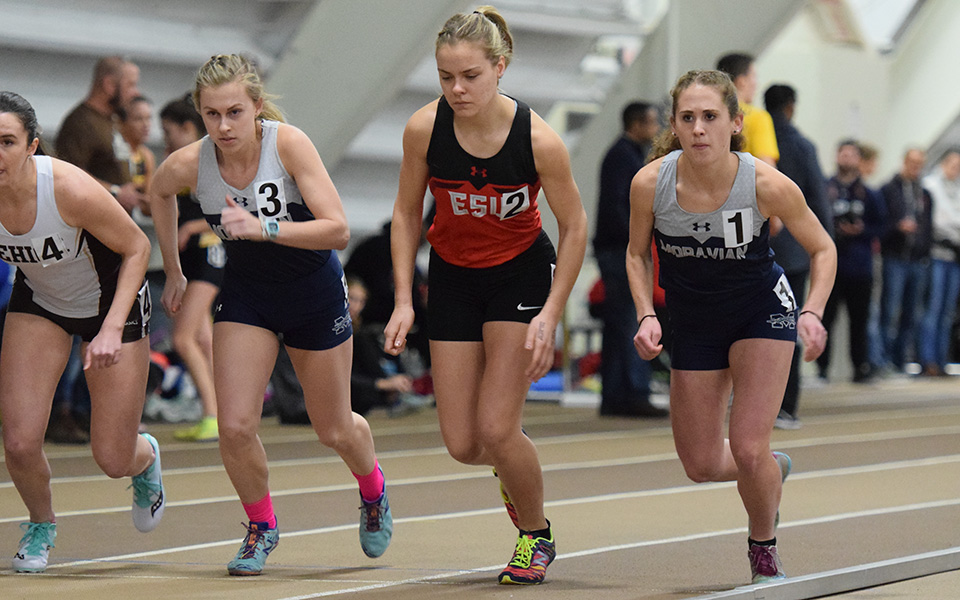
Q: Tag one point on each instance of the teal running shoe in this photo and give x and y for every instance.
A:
(148, 498)
(35, 546)
(376, 525)
(252, 555)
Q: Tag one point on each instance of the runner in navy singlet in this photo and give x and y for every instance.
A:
(733, 316)
(264, 190)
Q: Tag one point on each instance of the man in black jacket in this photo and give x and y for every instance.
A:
(905, 248)
(798, 161)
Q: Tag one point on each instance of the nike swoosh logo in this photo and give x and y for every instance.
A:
(522, 307)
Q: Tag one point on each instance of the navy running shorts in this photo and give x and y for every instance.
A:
(703, 333)
(309, 313)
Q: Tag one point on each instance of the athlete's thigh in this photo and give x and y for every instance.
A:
(324, 376)
(243, 359)
(35, 352)
(504, 385)
(698, 410)
(194, 310)
(759, 368)
(117, 392)
(456, 368)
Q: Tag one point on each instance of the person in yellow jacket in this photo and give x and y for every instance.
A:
(761, 140)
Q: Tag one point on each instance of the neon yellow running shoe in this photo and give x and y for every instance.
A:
(204, 431)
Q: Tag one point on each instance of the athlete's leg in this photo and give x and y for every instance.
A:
(698, 409)
(243, 358)
(503, 390)
(456, 369)
(193, 339)
(759, 368)
(116, 400)
(35, 352)
(325, 378)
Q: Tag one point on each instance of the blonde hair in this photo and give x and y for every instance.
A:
(718, 80)
(227, 68)
(484, 26)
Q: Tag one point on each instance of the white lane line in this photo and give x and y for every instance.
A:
(556, 467)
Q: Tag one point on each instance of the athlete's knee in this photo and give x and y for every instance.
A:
(183, 340)
(114, 462)
(21, 449)
(750, 455)
(235, 433)
(467, 451)
(702, 468)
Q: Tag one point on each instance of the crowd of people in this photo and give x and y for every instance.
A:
(724, 211)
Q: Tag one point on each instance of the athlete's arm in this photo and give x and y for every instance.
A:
(84, 203)
(406, 224)
(328, 229)
(556, 179)
(639, 263)
(778, 196)
(177, 172)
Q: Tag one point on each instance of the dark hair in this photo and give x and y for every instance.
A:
(635, 112)
(849, 142)
(778, 96)
(667, 142)
(11, 102)
(182, 111)
(735, 64)
(123, 110)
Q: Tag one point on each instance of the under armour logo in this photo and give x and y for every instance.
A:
(474, 171)
(705, 226)
(241, 201)
(781, 321)
(341, 323)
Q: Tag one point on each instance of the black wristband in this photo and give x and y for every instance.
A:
(644, 317)
(819, 318)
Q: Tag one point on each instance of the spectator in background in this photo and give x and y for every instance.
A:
(624, 375)
(88, 136)
(798, 161)
(905, 248)
(89, 139)
(869, 156)
(858, 218)
(937, 327)
(760, 138)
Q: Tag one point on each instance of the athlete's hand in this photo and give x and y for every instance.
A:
(395, 333)
(813, 335)
(104, 350)
(239, 223)
(540, 339)
(173, 291)
(647, 340)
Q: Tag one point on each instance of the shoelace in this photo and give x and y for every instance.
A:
(765, 563)
(35, 536)
(371, 513)
(144, 489)
(524, 552)
(250, 542)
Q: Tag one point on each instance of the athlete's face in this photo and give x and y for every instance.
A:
(467, 77)
(15, 153)
(229, 115)
(703, 124)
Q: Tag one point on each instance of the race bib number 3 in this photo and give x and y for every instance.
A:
(271, 201)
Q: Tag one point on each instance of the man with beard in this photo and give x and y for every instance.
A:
(88, 136)
(89, 139)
